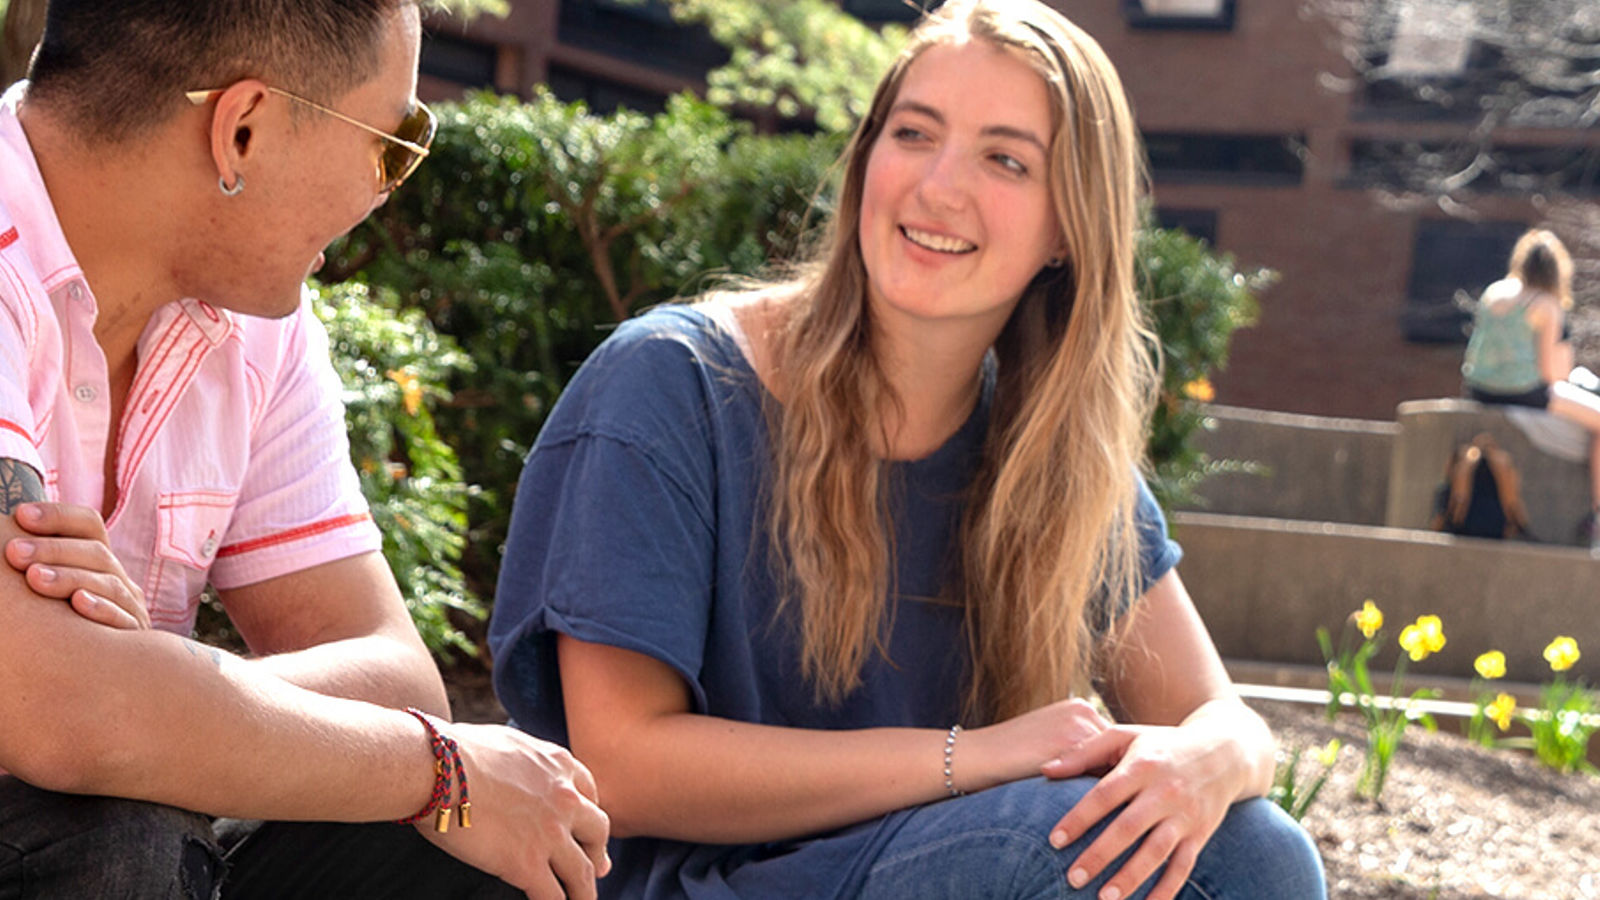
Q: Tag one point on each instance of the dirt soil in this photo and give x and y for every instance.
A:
(1457, 821)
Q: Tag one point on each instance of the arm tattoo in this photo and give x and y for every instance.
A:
(19, 484)
(202, 652)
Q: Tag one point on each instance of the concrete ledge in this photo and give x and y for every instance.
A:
(1264, 585)
(1313, 467)
(1555, 490)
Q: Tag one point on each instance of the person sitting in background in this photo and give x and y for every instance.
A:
(1516, 354)
(816, 576)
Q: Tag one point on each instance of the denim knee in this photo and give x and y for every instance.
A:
(149, 850)
(106, 847)
(1259, 851)
(995, 844)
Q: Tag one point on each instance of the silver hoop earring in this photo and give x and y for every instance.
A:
(238, 185)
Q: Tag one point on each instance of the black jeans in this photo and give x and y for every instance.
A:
(61, 845)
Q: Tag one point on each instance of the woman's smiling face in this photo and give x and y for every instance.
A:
(956, 211)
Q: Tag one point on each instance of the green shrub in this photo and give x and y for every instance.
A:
(533, 226)
(1198, 298)
(393, 367)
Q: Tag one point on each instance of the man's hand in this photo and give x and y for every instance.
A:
(535, 820)
(68, 557)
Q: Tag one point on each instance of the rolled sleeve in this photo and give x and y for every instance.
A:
(18, 428)
(300, 504)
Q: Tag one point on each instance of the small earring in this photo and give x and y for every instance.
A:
(238, 185)
(1056, 262)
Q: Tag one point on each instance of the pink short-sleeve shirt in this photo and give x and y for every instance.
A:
(232, 461)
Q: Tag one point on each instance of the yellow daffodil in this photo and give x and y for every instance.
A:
(1200, 389)
(1501, 709)
(410, 390)
(1369, 618)
(1491, 665)
(1562, 653)
(1423, 637)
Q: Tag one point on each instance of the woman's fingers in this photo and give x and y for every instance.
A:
(1092, 754)
(1157, 802)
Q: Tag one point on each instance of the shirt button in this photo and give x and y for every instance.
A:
(85, 393)
(209, 547)
(75, 291)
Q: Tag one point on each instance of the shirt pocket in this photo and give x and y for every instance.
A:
(190, 526)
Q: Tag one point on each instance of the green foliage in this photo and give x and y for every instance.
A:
(1561, 729)
(799, 58)
(1386, 720)
(1293, 796)
(1198, 298)
(535, 226)
(468, 9)
(393, 367)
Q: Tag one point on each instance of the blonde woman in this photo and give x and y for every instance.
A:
(1516, 355)
(813, 576)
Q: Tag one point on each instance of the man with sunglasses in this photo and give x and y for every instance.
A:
(169, 418)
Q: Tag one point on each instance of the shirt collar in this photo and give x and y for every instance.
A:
(24, 197)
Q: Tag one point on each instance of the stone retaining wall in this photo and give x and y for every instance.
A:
(1264, 585)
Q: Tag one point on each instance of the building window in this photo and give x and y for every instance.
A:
(602, 95)
(1188, 14)
(1200, 224)
(1451, 263)
(642, 33)
(458, 60)
(1260, 160)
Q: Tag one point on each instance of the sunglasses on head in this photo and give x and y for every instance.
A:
(402, 151)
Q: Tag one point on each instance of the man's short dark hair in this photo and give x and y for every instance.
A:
(115, 67)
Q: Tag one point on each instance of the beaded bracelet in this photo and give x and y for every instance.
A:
(949, 757)
(446, 767)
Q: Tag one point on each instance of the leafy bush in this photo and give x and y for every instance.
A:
(393, 367)
(535, 226)
(1198, 299)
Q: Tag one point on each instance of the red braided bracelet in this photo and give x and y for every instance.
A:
(446, 764)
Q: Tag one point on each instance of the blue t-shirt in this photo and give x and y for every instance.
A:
(638, 523)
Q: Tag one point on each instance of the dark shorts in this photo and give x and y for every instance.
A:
(1538, 398)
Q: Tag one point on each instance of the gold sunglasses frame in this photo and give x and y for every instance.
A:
(199, 98)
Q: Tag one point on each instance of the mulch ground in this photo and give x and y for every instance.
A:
(1456, 822)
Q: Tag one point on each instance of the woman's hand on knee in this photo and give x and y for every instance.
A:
(1167, 791)
(1015, 749)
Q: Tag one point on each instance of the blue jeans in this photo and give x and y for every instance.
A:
(60, 845)
(994, 844)
(64, 846)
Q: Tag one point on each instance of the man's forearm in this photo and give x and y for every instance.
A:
(382, 669)
(151, 716)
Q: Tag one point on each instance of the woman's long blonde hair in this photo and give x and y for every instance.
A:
(1049, 520)
(1540, 261)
